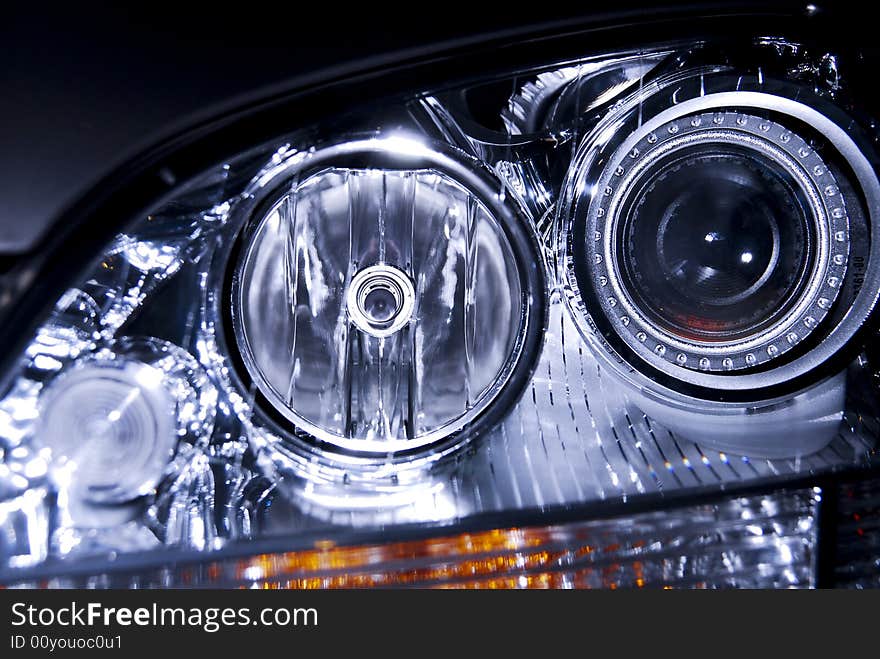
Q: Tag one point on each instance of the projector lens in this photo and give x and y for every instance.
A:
(716, 244)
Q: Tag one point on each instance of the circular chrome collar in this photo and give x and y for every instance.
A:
(754, 134)
(380, 300)
(587, 184)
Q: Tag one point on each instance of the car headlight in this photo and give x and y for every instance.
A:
(636, 274)
(714, 260)
(386, 295)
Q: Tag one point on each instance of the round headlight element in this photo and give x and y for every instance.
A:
(380, 300)
(716, 250)
(112, 420)
(113, 424)
(387, 295)
(719, 256)
(723, 238)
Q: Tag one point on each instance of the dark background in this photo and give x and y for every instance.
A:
(83, 89)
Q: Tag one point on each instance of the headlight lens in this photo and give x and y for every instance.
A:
(719, 243)
(720, 239)
(707, 230)
(112, 420)
(383, 308)
(646, 273)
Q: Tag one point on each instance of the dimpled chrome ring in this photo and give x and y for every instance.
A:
(380, 278)
(768, 139)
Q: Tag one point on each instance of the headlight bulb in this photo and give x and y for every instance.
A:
(380, 300)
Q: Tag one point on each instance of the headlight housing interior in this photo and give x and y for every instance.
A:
(636, 274)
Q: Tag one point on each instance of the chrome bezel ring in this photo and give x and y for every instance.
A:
(609, 146)
(384, 277)
(768, 139)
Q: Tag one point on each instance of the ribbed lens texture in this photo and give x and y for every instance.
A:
(337, 377)
(752, 542)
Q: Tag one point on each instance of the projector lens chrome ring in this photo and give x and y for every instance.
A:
(709, 217)
(826, 203)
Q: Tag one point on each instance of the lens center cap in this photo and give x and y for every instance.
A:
(380, 300)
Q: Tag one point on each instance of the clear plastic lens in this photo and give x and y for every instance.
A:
(566, 296)
(112, 421)
(111, 425)
(746, 542)
(380, 309)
